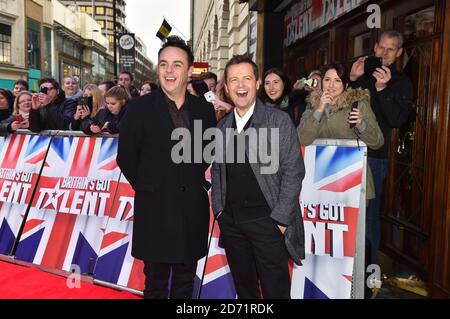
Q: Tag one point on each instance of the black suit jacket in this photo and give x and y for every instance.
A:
(171, 207)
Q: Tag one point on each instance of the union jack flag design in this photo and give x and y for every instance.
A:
(217, 280)
(73, 200)
(115, 263)
(58, 240)
(330, 198)
(80, 176)
(21, 158)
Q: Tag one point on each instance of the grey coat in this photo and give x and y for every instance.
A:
(281, 188)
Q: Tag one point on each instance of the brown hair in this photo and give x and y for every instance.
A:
(238, 59)
(286, 83)
(341, 72)
(152, 84)
(119, 92)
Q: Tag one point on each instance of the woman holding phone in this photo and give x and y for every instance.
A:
(340, 112)
(107, 120)
(88, 105)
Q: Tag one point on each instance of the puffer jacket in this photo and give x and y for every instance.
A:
(334, 124)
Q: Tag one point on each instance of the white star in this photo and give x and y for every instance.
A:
(53, 197)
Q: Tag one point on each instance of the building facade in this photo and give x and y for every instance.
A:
(302, 35)
(144, 68)
(80, 48)
(219, 30)
(13, 47)
(103, 13)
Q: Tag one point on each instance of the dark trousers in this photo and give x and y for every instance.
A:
(379, 167)
(257, 257)
(157, 280)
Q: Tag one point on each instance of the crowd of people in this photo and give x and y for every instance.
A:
(94, 109)
(259, 215)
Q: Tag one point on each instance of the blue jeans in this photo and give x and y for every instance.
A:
(379, 167)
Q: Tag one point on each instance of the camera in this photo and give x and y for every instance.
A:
(371, 64)
(86, 101)
(44, 90)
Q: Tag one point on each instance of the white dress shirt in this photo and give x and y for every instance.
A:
(241, 121)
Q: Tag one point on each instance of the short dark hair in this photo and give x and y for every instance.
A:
(341, 72)
(23, 83)
(199, 86)
(109, 84)
(119, 92)
(177, 42)
(287, 84)
(238, 59)
(152, 84)
(208, 75)
(52, 81)
(129, 73)
(391, 33)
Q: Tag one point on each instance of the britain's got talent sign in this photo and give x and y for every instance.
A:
(82, 214)
(333, 205)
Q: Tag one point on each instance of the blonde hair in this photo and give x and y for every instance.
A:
(16, 101)
(97, 97)
(119, 92)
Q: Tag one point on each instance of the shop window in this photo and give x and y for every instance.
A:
(46, 69)
(419, 24)
(34, 45)
(5, 43)
(68, 69)
(362, 44)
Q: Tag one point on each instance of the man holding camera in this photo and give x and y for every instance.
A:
(50, 110)
(391, 101)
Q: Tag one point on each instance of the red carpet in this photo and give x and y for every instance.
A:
(18, 282)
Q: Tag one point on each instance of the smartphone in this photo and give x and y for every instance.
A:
(309, 82)
(86, 101)
(43, 90)
(209, 96)
(354, 106)
(371, 64)
(18, 118)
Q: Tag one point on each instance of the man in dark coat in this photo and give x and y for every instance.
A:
(392, 101)
(171, 207)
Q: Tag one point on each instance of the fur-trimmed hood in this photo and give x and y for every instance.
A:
(344, 101)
